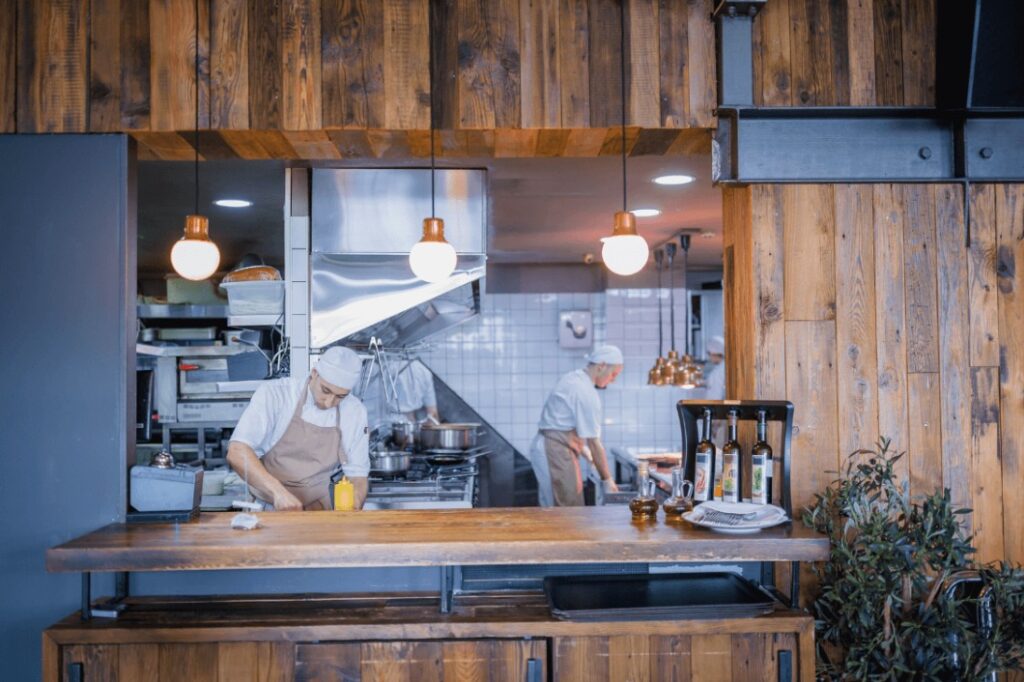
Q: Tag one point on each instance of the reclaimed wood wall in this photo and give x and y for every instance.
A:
(863, 306)
(845, 52)
(350, 78)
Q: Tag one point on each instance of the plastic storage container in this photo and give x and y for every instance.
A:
(254, 298)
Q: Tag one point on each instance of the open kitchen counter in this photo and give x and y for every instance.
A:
(422, 538)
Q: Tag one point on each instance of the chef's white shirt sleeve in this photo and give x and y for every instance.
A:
(588, 416)
(356, 441)
(256, 425)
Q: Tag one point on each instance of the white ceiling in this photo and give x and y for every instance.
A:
(543, 210)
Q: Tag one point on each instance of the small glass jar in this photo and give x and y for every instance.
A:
(644, 506)
(680, 502)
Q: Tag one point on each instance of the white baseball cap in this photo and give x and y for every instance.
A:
(608, 354)
(716, 344)
(340, 367)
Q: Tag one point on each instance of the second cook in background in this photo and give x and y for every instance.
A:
(297, 431)
(570, 428)
(416, 398)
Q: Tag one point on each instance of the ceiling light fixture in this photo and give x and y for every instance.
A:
(195, 256)
(673, 179)
(625, 252)
(645, 212)
(233, 203)
(432, 259)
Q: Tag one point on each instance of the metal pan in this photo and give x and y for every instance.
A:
(389, 462)
(448, 436)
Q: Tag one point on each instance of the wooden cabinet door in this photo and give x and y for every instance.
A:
(676, 658)
(473, 660)
(196, 662)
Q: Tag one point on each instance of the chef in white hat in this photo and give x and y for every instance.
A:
(570, 427)
(714, 373)
(297, 431)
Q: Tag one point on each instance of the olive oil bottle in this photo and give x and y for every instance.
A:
(761, 464)
(704, 460)
(732, 464)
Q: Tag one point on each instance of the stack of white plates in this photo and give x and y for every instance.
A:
(754, 516)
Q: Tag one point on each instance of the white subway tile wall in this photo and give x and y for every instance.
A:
(505, 362)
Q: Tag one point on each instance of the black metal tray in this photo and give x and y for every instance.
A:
(683, 596)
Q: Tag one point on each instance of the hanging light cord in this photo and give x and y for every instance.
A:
(430, 80)
(661, 339)
(684, 242)
(622, 87)
(195, 138)
(672, 295)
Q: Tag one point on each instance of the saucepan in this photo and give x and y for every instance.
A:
(448, 436)
(404, 434)
(389, 462)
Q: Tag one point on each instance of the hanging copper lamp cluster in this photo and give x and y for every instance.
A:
(673, 369)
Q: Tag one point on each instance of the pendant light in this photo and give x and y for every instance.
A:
(691, 375)
(432, 259)
(654, 375)
(671, 365)
(625, 252)
(195, 256)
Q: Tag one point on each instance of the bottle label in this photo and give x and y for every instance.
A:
(730, 478)
(758, 473)
(702, 474)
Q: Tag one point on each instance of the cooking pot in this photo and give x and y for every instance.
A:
(389, 462)
(404, 434)
(448, 436)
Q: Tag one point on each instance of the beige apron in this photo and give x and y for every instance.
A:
(566, 478)
(306, 456)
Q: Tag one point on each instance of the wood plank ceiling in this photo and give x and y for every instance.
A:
(330, 79)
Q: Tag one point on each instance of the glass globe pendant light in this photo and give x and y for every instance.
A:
(625, 252)
(432, 259)
(195, 256)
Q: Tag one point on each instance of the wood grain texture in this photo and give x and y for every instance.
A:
(917, 33)
(189, 663)
(229, 68)
(700, 46)
(265, 71)
(135, 61)
(987, 489)
(954, 352)
(711, 658)
(352, 61)
(810, 50)
(860, 40)
(739, 292)
(643, 79)
(52, 77)
(541, 99)
(981, 269)
(406, 73)
(138, 661)
(810, 252)
(772, 75)
(8, 66)
(924, 430)
(99, 662)
(605, 63)
(856, 341)
(890, 317)
(489, 66)
(104, 66)
(920, 278)
(301, 65)
(424, 538)
(673, 69)
(1010, 283)
(888, 28)
(574, 63)
(173, 72)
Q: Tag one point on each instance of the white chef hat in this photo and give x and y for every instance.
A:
(340, 367)
(610, 355)
(716, 344)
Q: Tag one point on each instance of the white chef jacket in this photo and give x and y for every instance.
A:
(573, 405)
(415, 387)
(266, 419)
(714, 381)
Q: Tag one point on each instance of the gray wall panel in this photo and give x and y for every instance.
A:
(68, 244)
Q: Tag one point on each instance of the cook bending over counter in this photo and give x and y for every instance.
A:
(570, 429)
(298, 431)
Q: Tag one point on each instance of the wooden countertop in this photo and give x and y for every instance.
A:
(422, 538)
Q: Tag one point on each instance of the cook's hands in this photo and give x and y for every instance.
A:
(610, 486)
(285, 501)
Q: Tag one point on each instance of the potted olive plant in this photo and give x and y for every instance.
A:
(888, 607)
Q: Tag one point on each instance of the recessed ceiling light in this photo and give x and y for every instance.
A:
(645, 212)
(707, 234)
(233, 203)
(673, 179)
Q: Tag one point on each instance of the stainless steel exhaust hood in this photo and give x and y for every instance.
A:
(364, 221)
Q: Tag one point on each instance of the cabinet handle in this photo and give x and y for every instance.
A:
(786, 666)
(76, 672)
(533, 670)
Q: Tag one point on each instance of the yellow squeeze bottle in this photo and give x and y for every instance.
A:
(344, 495)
